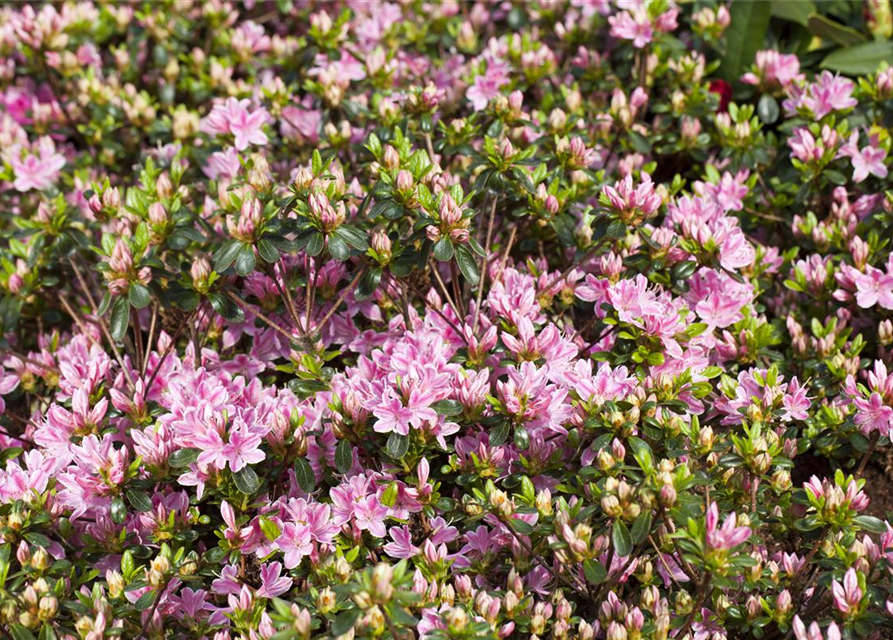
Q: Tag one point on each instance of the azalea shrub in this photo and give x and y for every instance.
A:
(397, 320)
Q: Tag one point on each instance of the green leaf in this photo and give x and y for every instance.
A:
(145, 602)
(338, 248)
(345, 621)
(315, 244)
(826, 28)
(861, 59)
(621, 538)
(352, 237)
(767, 109)
(448, 407)
(468, 265)
(368, 283)
(443, 249)
(119, 510)
(793, 10)
(594, 571)
(641, 527)
(246, 480)
(389, 497)
(267, 250)
(751, 20)
(304, 474)
(245, 260)
(343, 457)
(499, 434)
(398, 445)
(226, 254)
(19, 632)
(183, 458)
(120, 318)
(522, 527)
(270, 529)
(870, 523)
(139, 500)
(139, 295)
(39, 539)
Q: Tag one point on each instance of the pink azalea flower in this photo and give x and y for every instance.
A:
(38, 169)
(233, 117)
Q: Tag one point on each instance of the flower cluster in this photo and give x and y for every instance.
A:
(439, 320)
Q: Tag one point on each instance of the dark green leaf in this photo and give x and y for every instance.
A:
(368, 283)
(315, 244)
(183, 458)
(39, 539)
(139, 295)
(468, 265)
(119, 510)
(398, 445)
(145, 602)
(500, 433)
(19, 632)
(751, 20)
(267, 251)
(343, 457)
(594, 571)
(226, 254)
(140, 500)
(870, 523)
(245, 260)
(443, 249)
(448, 407)
(338, 248)
(345, 621)
(522, 527)
(641, 527)
(621, 538)
(246, 480)
(304, 474)
(120, 318)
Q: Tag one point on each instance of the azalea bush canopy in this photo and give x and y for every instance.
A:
(446, 320)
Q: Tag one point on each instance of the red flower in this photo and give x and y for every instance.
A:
(724, 90)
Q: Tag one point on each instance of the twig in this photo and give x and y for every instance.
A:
(444, 290)
(484, 264)
(247, 307)
(102, 325)
(340, 299)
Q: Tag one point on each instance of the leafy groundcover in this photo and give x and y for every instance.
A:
(423, 320)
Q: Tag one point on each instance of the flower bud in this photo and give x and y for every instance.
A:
(381, 244)
(164, 188)
(157, 214)
(121, 260)
(390, 159)
(404, 181)
(885, 332)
